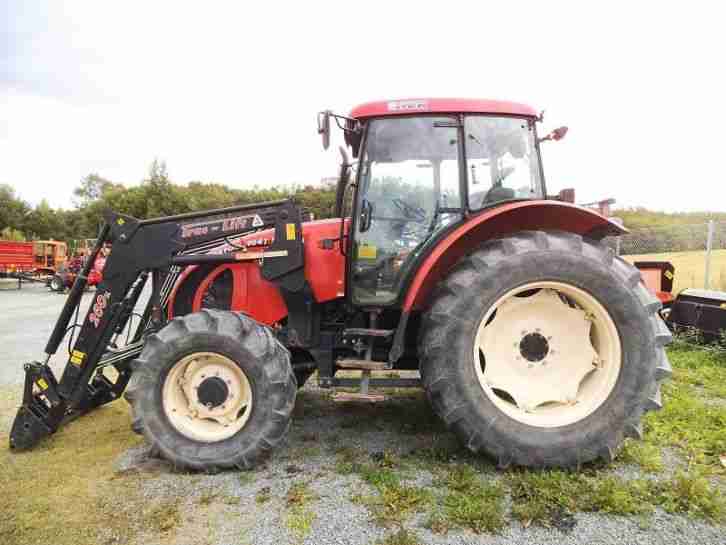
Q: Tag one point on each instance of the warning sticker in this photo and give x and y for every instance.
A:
(290, 231)
(77, 357)
(367, 251)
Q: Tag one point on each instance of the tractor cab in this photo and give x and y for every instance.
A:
(424, 166)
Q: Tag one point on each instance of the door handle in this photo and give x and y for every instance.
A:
(366, 214)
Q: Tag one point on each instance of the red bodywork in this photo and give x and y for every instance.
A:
(252, 294)
(16, 256)
(325, 268)
(441, 105)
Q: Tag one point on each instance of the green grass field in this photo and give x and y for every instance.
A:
(691, 268)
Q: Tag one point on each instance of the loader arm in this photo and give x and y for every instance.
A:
(139, 249)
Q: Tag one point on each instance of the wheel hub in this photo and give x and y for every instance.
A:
(534, 347)
(547, 354)
(212, 392)
(207, 397)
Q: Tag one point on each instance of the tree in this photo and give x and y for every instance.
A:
(13, 210)
(92, 188)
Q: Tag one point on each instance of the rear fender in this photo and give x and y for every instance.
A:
(498, 222)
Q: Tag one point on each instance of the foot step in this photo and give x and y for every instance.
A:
(366, 365)
(366, 332)
(341, 397)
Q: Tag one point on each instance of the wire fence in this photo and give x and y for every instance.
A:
(698, 252)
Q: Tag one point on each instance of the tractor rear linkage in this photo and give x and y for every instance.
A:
(159, 248)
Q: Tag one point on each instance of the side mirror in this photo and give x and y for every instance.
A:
(324, 127)
(557, 134)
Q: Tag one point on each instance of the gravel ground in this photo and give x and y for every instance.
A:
(223, 509)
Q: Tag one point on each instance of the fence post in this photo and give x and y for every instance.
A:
(617, 246)
(709, 244)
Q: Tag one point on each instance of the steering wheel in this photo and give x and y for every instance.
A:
(415, 213)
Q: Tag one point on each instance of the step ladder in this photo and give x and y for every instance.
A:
(365, 365)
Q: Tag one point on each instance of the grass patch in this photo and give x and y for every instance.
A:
(546, 498)
(299, 521)
(395, 503)
(299, 494)
(394, 500)
(348, 460)
(401, 537)
(163, 517)
(299, 518)
(263, 495)
(246, 478)
(692, 495)
(645, 455)
(65, 491)
(687, 421)
(469, 503)
(207, 497)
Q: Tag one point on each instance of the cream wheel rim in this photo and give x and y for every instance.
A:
(547, 354)
(186, 410)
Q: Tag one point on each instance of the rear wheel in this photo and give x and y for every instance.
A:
(212, 390)
(543, 349)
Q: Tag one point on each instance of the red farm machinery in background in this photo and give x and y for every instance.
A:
(33, 261)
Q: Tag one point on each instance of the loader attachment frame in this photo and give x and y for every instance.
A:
(158, 248)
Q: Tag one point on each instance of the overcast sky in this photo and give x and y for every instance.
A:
(228, 91)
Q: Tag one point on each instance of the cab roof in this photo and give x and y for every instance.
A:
(441, 105)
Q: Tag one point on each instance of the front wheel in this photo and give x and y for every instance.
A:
(212, 390)
(543, 349)
(56, 283)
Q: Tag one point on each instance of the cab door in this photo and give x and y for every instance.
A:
(408, 189)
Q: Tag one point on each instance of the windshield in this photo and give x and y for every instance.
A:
(501, 160)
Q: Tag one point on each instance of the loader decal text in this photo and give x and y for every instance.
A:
(99, 307)
(221, 225)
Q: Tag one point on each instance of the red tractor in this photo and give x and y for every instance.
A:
(533, 342)
(67, 273)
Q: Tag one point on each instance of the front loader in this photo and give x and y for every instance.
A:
(445, 256)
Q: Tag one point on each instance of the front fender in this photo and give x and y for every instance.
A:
(497, 222)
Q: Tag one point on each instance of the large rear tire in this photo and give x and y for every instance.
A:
(543, 349)
(212, 390)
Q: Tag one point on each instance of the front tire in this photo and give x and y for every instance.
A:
(56, 283)
(543, 349)
(212, 390)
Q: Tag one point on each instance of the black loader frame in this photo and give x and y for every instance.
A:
(158, 248)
